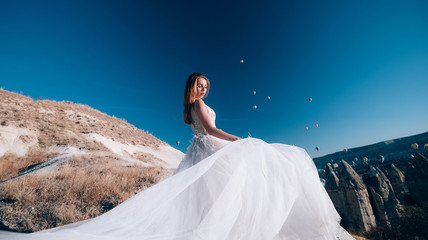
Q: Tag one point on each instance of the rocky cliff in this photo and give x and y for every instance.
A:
(350, 197)
(381, 195)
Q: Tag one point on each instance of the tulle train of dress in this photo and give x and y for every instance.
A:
(247, 189)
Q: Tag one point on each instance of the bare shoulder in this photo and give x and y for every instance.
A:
(200, 106)
(199, 103)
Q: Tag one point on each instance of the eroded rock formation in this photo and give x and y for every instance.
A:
(382, 197)
(350, 196)
(374, 194)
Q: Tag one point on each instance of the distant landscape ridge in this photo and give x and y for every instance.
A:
(389, 150)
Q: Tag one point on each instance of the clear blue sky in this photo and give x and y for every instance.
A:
(364, 64)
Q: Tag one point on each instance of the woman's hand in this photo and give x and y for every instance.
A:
(201, 111)
(232, 139)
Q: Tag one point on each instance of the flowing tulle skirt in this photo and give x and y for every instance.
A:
(246, 190)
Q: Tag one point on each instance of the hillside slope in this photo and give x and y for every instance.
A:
(48, 128)
(62, 162)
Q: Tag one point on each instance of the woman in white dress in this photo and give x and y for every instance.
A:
(224, 188)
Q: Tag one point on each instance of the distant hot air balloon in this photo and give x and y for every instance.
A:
(365, 159)
(317, 148)
(310, 99)
(255, 106)
(306, 128)
(335, 165)
(415, 146)
(380, 158)
(178, 142)
(316, 124)
(345, 150)
(242, 60)
(268, 97)
(254, 92)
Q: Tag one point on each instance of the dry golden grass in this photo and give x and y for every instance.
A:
(66, 124)
(81, 189)
(11, 165)
(85, 186)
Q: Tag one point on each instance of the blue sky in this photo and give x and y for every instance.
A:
(364, 64)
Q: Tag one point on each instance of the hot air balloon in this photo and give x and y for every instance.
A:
(254, 92)
(178, 142)
(380, 158)
(310, 99)
(415, 146)
(335, 165)
(317, 148)
(345, 150)
(306, 128)
(365, 159)
(255, 106)
(242, 60)
(316, 124)
(268, 97)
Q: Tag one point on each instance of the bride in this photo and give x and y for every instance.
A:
(224, 188)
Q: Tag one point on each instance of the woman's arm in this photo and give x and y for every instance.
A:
(202, 112)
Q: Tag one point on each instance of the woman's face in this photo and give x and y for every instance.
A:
(202, 87)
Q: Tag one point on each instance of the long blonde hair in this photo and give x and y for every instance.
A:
(190, 91)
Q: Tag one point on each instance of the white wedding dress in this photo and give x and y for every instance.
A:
(247, 189)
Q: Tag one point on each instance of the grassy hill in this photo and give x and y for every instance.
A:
(62, 162)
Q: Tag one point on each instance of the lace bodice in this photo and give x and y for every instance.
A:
(196, 125)
(203, 144)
